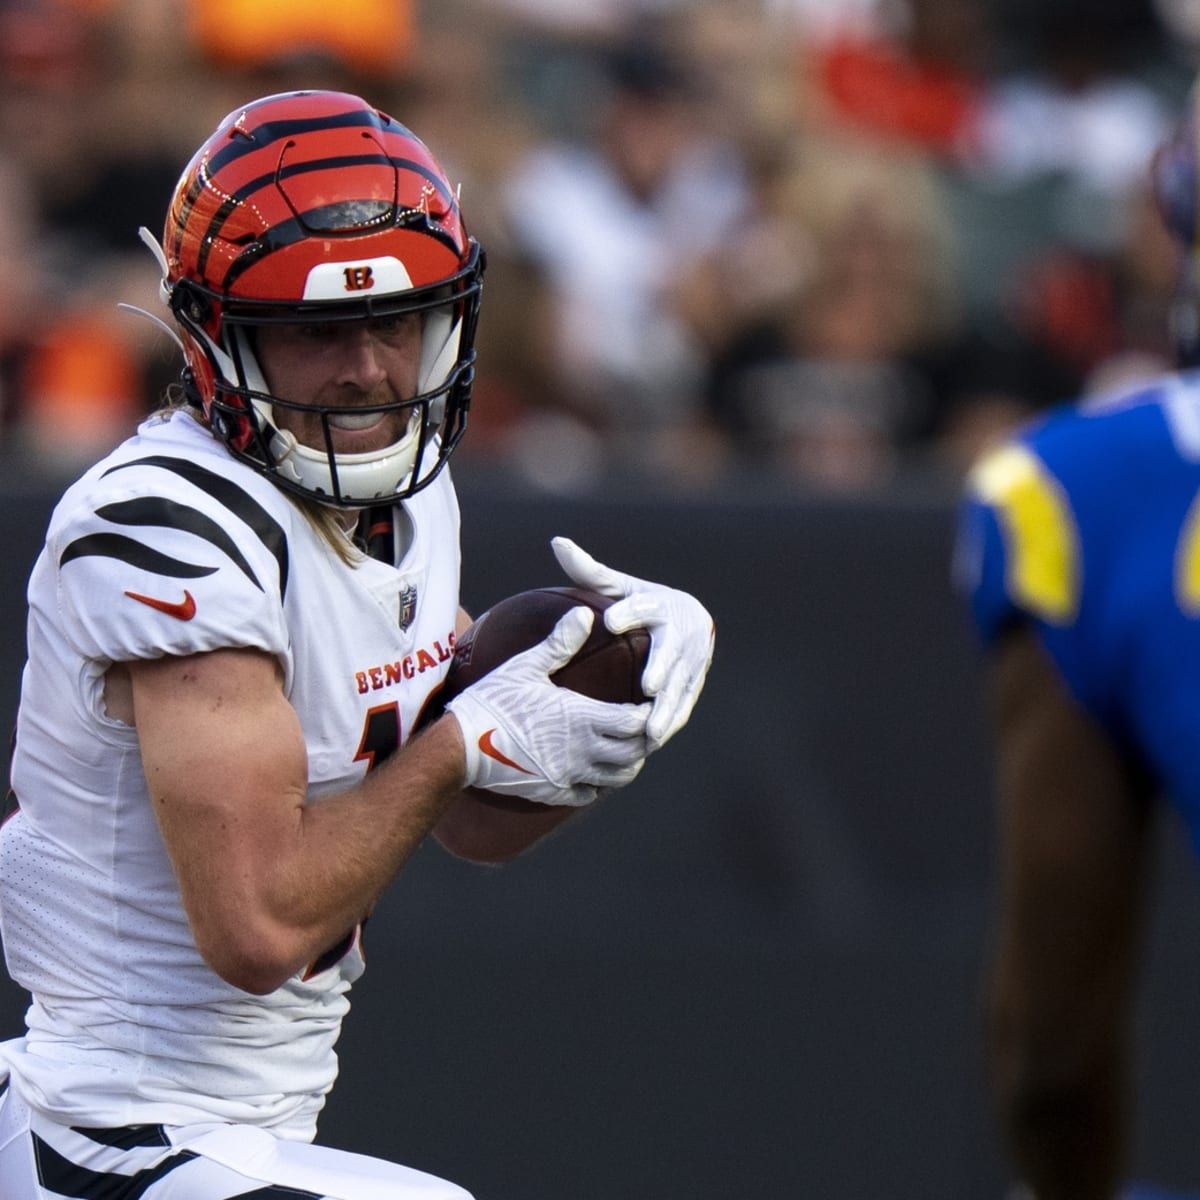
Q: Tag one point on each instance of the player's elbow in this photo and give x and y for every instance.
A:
(257, 976)
(251, 960)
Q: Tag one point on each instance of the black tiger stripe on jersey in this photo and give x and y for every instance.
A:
(234, 498)
(69, 1179)
(66, 1178)
(157, 511)
(125, 1137)
(137, 554)
(276, 1191)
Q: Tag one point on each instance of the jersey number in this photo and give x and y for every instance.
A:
(381, 735)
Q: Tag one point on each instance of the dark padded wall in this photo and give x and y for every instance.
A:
(754, 972)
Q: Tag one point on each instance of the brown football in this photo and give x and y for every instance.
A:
(608, 666)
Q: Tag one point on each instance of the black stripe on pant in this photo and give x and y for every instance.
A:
(81, 1183)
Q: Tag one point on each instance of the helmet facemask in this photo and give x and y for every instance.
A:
(245, 412)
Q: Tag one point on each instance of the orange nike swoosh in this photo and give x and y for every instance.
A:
(490, 749)
(184, 609)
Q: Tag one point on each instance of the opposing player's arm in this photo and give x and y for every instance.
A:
(1074, 819)
(269, 882)
(495, 831)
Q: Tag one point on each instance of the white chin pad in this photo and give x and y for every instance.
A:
(372, 475)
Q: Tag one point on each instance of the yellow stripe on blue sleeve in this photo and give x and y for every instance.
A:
(1187, 563)
(1042, 560)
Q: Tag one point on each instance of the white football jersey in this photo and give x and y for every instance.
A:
(170, 546)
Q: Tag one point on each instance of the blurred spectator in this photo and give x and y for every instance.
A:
(1074, 108)
(818, 21)
(1066, 324)
(1065, 263)
(1096, 129)
(820, 309)
(1066, 321)
(837, 241)
(610, 222)
(1145, 273)
(94, 369)
(48, 66)
(22, 296)
(118, 92)
(1181, 21)
(921, 83)
(579, 18)
(756, 83)
(95, 167)
(994, 377)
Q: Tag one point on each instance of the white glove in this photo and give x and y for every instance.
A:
(526, 736)
(682, 635)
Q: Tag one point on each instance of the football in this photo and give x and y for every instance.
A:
(608, 666)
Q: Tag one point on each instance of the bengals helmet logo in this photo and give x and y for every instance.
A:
(358, 279)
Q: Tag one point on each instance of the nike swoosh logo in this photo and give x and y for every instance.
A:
(490, 748)
(184, 609)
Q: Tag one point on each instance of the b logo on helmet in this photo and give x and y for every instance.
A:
(333, 280)
(359, 279)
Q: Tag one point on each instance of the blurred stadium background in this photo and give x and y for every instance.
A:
(764, 275)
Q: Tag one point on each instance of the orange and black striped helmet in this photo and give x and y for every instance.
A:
(314, 207)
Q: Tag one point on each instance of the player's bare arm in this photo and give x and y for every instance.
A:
(269, 882)
(1074, 821)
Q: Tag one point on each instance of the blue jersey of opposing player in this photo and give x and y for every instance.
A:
(1086, 526)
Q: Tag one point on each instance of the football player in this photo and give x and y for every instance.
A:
(234, 626)
(1080, 549)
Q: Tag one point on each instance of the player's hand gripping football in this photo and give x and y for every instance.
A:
(682, 636)
(527, 737)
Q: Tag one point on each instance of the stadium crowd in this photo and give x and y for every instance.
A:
(827, 244)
